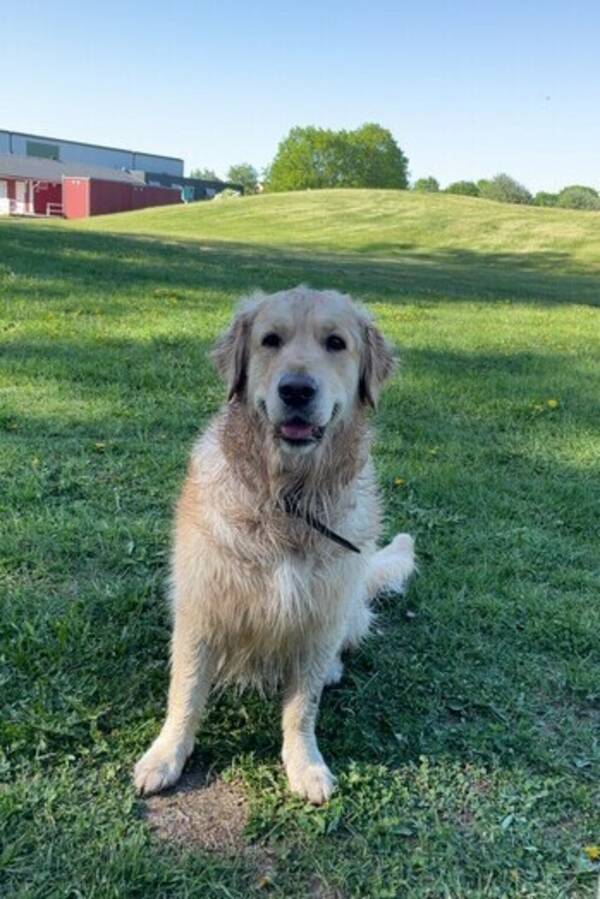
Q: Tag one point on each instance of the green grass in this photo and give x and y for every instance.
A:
(465, 736)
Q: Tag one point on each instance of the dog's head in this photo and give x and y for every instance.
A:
(304, 360)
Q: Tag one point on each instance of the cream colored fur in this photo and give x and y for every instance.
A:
(258, 596)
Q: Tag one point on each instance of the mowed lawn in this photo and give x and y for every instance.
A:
(466, 732)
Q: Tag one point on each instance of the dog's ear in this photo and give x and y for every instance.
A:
(230, 354)
(378, 363)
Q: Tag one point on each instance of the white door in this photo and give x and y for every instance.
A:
(20, 197)
(4, 201)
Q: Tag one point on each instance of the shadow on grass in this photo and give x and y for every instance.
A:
(68, 261)
(166, 376)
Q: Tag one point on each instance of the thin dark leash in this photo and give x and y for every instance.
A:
(292, 508)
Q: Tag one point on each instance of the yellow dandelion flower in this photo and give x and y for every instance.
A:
(399, 482)
(592, 852)
(552, 404)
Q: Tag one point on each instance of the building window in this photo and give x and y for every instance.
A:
(44, 151)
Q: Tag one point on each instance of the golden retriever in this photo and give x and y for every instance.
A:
(275, 561)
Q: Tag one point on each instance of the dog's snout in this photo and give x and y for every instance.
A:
(297, 390)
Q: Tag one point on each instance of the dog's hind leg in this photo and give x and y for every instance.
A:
(335, 671)
(192, 669)
(390, 568)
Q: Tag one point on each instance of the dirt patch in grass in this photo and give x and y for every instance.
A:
(319, 889)
(200, 812)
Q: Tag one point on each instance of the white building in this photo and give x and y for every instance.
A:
(20, 144)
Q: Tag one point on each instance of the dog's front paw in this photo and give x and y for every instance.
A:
(314, 782)
(160, 767)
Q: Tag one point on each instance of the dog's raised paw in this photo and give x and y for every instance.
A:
(404, 545)
(391, 567)
(159, 768)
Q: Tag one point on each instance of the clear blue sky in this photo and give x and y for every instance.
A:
(467, 88)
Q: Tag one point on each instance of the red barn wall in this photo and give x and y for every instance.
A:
(109, 196)
(100, 197)
(44, 193)
(138, 197)
(155, 196)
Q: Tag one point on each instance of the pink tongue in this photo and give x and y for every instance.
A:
(297, 431)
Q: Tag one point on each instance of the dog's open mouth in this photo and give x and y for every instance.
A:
(299, 432)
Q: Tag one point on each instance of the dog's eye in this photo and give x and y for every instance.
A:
(335, 343)
(272, 340)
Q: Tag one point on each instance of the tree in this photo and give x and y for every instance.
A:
(463, 188)
(313, 158)
(204, 174)
(504, 189)
(428, 185)
(377, 161)
(578, 196)
(543, 198)
(302, 160)
(244, 174)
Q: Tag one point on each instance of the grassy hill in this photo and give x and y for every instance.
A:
(376, 222)
(465, 733)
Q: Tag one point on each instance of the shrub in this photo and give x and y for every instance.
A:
(428, 185)
(543, 198)
(244, 174)
(204, 174)
(504, 189)
(577, 196)
(464, 188)
(227, 194)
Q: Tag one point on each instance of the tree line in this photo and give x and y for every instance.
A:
(311, 158)
(315, 158)
(505, 189)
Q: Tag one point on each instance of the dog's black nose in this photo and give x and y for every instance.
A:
(297, 390)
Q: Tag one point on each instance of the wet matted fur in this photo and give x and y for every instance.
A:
(258, 595)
